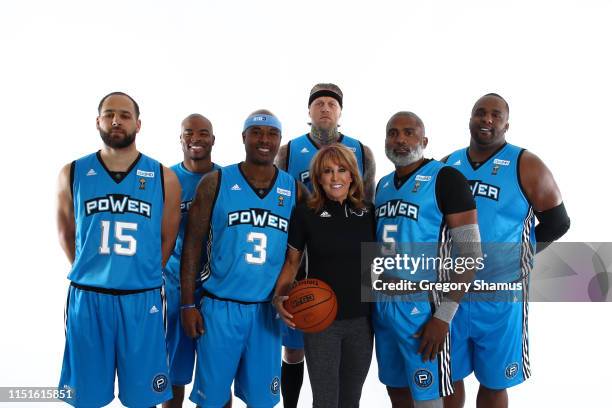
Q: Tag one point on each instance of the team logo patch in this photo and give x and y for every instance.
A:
(511, 370)
(160, 383)
(495, 170)
(142, 185)
(283, 191)
(281, 201)
(142, 173)
(415, 189)
(423, 378)
(275, 385)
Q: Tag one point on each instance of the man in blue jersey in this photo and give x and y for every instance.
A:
(324, 108)
(244, 210)
(118, 216)
(509, 184)
(426, 204)
(197, 140)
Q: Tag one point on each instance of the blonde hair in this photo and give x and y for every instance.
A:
(341, 156)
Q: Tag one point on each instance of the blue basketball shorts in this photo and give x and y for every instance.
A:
(241, 343)
(399, 364)
(292, 338)
(123, 333)
(181, 348)
(490, 339)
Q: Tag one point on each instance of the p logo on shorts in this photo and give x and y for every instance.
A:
(275, 385)
(511, 370)
(160, 382)
(423, 378)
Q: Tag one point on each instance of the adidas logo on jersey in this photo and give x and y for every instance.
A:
(325, 214)
(386, 185)
(415, 311)
(153, 309)
(91, 172)
(457, 163)
(304, 150)
(236, 187)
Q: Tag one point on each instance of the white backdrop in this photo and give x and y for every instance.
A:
(550, 59)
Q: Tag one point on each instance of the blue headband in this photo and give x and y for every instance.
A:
(262, 120)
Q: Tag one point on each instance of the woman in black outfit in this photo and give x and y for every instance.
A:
(333, 224)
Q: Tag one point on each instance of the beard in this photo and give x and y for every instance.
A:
(117, 143)
(403, 160)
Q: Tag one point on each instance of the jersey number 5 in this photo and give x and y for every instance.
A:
(261, 241)
(125, 244)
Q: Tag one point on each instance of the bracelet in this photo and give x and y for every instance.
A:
(189, 306)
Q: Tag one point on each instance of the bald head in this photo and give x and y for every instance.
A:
(495, 96)
(196, 117)
(408, 115)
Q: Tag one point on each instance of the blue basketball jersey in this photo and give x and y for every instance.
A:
(248, 236)
(504, 213)
(118, 224)
(189, 182)
(302, 149)
(409, 214)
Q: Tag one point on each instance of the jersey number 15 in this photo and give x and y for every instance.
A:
(124, 244)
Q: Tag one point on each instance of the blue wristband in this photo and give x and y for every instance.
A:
(190, 306)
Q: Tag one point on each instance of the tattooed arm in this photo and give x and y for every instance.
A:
(369, 172)
(281, 157)
(198, 226)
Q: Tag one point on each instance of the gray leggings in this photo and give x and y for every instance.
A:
(338, 360)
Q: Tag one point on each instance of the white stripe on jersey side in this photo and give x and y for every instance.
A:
(444, 251)
(164, 300)
(165, 306)
(205, 272)
(527, 254)
(66, 312)
(444, 364)
(444, 368)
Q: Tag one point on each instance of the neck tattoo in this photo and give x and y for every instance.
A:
(324, 136)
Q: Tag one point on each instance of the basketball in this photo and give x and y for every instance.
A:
(313, 305)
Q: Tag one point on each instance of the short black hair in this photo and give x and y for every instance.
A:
(500, 97)
(136, 107)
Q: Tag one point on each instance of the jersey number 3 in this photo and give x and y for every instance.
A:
(261, 241)
(124, 244)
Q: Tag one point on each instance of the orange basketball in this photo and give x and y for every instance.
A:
(313, 305)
